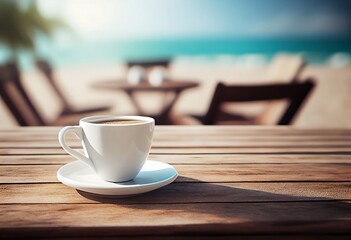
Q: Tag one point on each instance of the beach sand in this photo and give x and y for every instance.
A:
(329, 105)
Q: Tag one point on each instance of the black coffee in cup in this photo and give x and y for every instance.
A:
(120, 122)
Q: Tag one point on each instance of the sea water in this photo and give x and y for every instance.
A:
(314, 51)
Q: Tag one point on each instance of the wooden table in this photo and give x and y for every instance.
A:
(252, 182)
(169, 87)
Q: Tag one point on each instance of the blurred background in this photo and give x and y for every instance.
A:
(63, 50)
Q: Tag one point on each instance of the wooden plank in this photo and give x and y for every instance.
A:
(206, 173)
(38, 137)
(211, 128)
(256, 150)
(216, 142)
(254, 130)
(189, 159)
(190, 130)
(196, 150)
(35, 136)
(184, 193)
(35, 159)
(209, 218)
(217, 237)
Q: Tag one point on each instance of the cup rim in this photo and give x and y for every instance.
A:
(93, 119)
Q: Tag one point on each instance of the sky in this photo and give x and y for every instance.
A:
(172, 19)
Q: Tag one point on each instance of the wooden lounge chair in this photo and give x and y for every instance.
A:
(295, 92)
(47, 70)
(17, 105)
(21, 105)
(285, 68)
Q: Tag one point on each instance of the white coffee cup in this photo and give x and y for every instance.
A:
(115, 151)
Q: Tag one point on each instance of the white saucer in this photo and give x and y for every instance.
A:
(153, 175)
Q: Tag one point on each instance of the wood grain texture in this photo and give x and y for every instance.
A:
(207, 218)
(169, 132)
(185, 192)
(199, 159)
(246, 182)
(196, 150)
(205, 173)
(222, 142)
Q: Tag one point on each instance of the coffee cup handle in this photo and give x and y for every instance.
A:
(79, 132)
